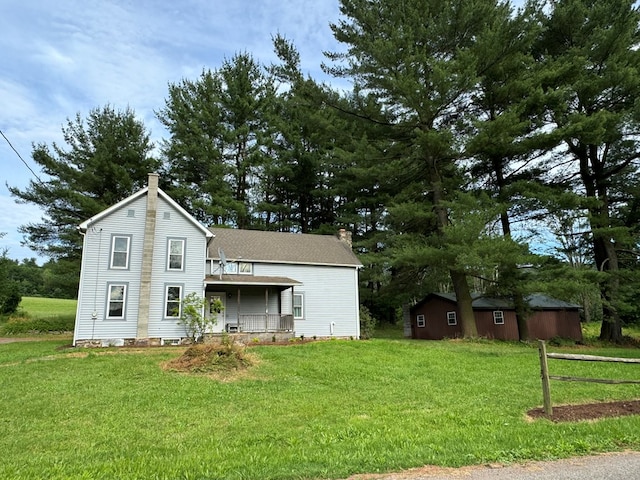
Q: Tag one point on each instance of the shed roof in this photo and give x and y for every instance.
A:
(536, 301)
(280, 247)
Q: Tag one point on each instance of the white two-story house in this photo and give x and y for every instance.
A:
(145, 254)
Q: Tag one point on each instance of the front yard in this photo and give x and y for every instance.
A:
(315, 410)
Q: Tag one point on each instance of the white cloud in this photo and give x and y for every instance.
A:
(69, 56)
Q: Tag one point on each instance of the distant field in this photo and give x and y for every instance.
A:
(38, 307)
(37, 315)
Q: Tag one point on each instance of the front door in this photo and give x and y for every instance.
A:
(214, 300)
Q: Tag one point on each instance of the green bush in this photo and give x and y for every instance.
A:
(367, 323)
(10, 298)
(24, 324)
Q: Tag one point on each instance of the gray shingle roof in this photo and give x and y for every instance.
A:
(250, 280)
(279, 247)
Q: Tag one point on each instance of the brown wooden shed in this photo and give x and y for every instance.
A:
(437, 316)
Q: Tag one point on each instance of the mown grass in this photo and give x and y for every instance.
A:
(40, 315)
(40, 307)
(316, 410)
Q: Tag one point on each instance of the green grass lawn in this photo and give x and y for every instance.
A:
(40, 315)
(47, 307)
(317, 410)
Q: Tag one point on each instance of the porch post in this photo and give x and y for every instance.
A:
(238, 309)
(266, 308)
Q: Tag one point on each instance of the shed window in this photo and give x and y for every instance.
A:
(172, 305)
(498, 317)
(452, 318)
(120, 251)
(298, 306)
(175, 254)
(420, 321)
(116, 301)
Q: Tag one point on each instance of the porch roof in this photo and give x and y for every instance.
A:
(250, 280)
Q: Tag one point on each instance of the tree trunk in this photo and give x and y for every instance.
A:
(522, 314)
(465, 303)
(611, 328)
(519, 302)
(596, 179)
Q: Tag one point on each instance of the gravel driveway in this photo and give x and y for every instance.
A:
(610, 466)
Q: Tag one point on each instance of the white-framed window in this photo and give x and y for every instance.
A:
(420, 321)
(452, 319)
(298, 306)
(498, 317)
(116, 301)
(175, 254)
(245, 268)
(172, 301)
(120, 245)
(231, 267)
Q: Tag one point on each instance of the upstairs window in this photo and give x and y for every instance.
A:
(245, 268)
(231, 267)
(175, 254)
(120, 245)
(498, 317)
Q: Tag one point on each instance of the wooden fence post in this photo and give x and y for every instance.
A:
(544, 375)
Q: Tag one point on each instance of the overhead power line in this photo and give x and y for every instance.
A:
(20, 156)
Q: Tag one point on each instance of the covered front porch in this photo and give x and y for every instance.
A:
(251, 304)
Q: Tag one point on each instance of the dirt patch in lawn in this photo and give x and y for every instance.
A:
(588, 411)
(226, 361)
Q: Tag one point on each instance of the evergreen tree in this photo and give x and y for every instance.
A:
(593, 76)
(216, 150)
(10, 292)
(506, 141)
(107, 159)
(417, 57)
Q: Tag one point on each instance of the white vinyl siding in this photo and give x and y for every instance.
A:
(330, 297)
(190, 278)
(97, 274)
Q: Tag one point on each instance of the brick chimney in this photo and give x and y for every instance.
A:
(345, 237)
(142, 333)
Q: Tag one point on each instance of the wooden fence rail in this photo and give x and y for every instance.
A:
(544, 371)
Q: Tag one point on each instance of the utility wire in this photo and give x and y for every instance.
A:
(20, 156)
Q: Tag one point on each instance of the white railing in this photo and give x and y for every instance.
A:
(271, 322)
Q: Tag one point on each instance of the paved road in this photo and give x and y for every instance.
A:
(611, 466)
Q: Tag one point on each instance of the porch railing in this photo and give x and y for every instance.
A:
(271, 322)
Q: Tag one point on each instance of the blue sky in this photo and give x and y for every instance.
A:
(69, 56)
